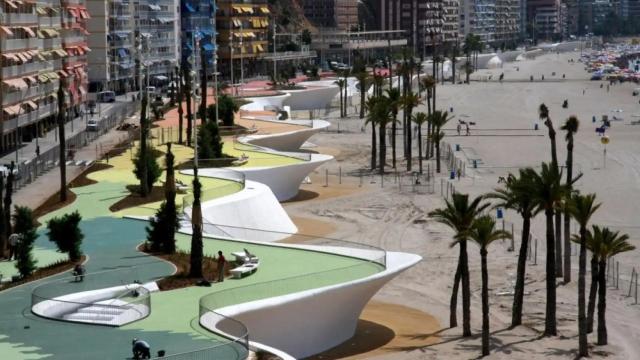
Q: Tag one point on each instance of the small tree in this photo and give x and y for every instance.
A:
(162, 228)
(228, 108)
(25, 227)
(65, 232)
(149, 163)
(209, 141)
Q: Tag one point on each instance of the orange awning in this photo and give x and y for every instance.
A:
(16, 83)
(31, 104)
(6, 30)
(29, 32)
(11, 4)
(73, 11)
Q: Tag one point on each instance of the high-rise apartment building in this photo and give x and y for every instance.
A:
(547, 19)
(497, 22)
(42, 45)
(155, 24)
(332, 14)
(243, 28)
(198, 28)
(630, 9)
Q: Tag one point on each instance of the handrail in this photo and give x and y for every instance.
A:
(235, 177)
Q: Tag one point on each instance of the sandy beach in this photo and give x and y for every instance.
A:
(504, 140)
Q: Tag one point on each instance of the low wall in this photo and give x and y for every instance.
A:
(286, 141)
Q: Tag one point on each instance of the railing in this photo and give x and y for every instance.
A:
(237, 183)
(112, 297)
(236, 333)
(15, 19)
(14, 44)
(10, 71)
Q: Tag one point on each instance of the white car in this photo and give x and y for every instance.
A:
(92, 125)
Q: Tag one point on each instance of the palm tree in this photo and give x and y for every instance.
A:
(203, 86)
(382, 114)
(187, 92)
(571, 127)
(144, 134)
(395, 100)
(611, 243)
(581, 208)
(483, 232)
(438, 119)
(180, 98)
(420, 119)
(342, 84)
(195, 268)
(409, 102)
(378, 82)
(548, 194)
(459, 215)
(455, 52)
(517, 195)
(371, 119)
(428, 83)
(363, 81)
(543, 111)
(593, 247)
(62, 111)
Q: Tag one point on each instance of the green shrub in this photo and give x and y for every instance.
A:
(65, 232)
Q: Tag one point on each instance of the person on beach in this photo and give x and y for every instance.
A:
(221, 262)
(78, 272)
(468, 130)
(459, 128)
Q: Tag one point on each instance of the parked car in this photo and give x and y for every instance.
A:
(92, 125)
(106, 96)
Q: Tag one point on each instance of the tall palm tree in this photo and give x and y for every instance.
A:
(571, 127)
(593, 247)
(459, 215)
(455, 52)
(395, 100)
(187, 93)
(581, 208)
(611, 244)
(438, 119)
(203, 86)
(543, 111)
(517, 195)
(382, 112)
(548, 195)
(378, 82)
(371, 119)
(428, 83)
(62, 111)
(409, 102)
(195, 268)
(144, 134)
(483, 232)
(363, 84)
(420, 119)
(180, 98)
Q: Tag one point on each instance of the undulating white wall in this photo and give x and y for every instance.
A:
(311, 98)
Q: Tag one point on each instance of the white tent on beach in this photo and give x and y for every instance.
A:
(494, 63)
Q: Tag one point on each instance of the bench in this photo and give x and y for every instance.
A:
(247, 263)
(244, 269)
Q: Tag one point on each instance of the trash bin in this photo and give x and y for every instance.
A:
(475, 164)
(593, 119)
(535, 126)
(499, 215)
(457, 147)
(452, 176)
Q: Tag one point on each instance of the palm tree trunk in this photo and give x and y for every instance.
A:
(62, 152)
(180, 110)
(341, 112)
(453, 303)
(374, 150)
(550, 315)
(429, 150)
(362, 98)
(602, 304)
(591, 307)
(518, 297)
(437, 152)
(485, 302)
(409, 135)
(582, 321)
(420, 147)
(189, 110)
(558, 238)
(567, 218)
(383, 148)
(394, 129)
(466, 289)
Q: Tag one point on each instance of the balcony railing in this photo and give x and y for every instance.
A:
(16, 19)
(30, 117)
(54, 43)
(17, 96)
(16, 70)
(73, 39)
(17, 44)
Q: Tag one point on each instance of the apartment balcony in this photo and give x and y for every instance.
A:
(18, 44)
(67, 40)
(54, 43)
(30, 117)
(17, 96)
(17, 70)
(46, 21)
(18, 19)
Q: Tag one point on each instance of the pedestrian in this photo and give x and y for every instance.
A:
(459, 128)
(459, 173)
(13, 246)
(542, 77)
(468, 130)
(78, 272)
(37, 151)
(583, 91)
(140, 349)
(451, 109)
(221, 262)
(607, 88)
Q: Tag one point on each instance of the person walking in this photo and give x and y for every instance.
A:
(468, 130)
(13, 246)
(459, 128)
(221, 263)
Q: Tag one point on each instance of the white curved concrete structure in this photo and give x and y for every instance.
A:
(312, 98)
(284, 180)
(310, 321)
(259, 103)
(286, 141)
(255, 207)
